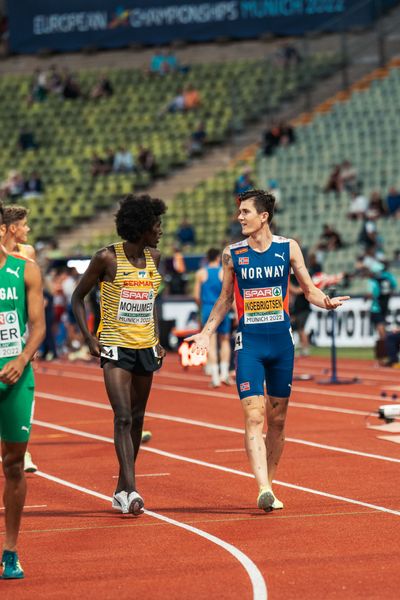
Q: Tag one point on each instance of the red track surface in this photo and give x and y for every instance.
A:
(338, 536)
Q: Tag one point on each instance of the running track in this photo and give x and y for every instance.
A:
(202, 537)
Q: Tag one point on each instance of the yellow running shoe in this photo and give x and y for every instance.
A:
(265, 499)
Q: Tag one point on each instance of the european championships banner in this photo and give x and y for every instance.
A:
(67, 25)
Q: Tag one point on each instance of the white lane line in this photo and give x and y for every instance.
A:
(214, 394)
(29, 506)
(256, 578)
(214, 426)
(203, 463)
(147, 475)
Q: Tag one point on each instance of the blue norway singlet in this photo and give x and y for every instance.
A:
(262, 286)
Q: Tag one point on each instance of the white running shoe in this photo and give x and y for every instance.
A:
(120, 502)
(277, 504)
(29, 465)
(135, 504)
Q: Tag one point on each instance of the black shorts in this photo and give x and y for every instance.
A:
(377, 318)
(140, 362)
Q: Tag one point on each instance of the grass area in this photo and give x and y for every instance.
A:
(361, 353)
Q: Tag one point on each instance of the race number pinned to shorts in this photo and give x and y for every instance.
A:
(110, 352)
(238, 341)
(263, 305)
(10, 334)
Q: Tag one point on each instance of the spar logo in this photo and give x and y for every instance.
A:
(137, 294)
(243, 260)
(10, 319)
(260, 293)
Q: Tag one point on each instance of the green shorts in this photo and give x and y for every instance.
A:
(16, 408)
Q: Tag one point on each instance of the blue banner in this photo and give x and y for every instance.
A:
(68, 25)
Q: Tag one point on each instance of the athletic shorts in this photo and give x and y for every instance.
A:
(377, 318)
(16, 408)
(140, 362)
(264, 358)
(223, 327)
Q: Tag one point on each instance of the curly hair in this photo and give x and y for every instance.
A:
(138, 215)
(263, 201)
(13, 214)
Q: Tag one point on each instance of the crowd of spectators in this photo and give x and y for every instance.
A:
(65, 85)
(123, 161)
(17, 186)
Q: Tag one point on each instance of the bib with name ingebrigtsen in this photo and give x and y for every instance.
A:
(262, 286)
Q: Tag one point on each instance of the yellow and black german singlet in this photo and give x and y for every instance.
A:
(126, 304)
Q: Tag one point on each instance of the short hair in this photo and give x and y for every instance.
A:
(138, 215)
(213, 254)
(263, 201)
(13, 214)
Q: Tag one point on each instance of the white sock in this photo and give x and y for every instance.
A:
(224, 368)
(214, 372)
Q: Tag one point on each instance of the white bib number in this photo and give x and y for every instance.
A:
(10, 334)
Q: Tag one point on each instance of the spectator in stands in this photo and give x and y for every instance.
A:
(33, 186)
(287, 55)
(102, 89)
(286, 134)
(55, 82)
(334, 183)
(123, 161)
(147, 161)
(393, 202)
(13, 186)
(158, 63)
(244, 182)
(171, 63)
(175, 276)
(331, 238)
(186, 234)
(273, 187)
(358, 206)
(71, 89)
(271, 139)
(26, 140)
(98, 165)
(376, 204)
(108, 161)
(191, 98)
(38, 91)
(349, 176)
(177, 104)
(368, 235)
(197, 140)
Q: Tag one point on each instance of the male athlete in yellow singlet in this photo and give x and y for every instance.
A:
(127, 339)
(21, 304)
(14, 237)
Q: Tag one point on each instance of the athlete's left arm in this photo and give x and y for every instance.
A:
(311, 292)
(13, 370)
(161, 352)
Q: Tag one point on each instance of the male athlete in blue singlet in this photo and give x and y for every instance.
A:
(207, 288)
(256, 273)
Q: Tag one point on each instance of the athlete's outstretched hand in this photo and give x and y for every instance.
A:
(201, 343)
(332, 303)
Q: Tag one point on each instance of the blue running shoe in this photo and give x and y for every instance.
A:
(11, 566)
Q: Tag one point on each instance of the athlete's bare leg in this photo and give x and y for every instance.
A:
(118, 384)
(275, 440)
(254, 415)
(140, 390)
(213, 361)
(14, 489)
(225, 355)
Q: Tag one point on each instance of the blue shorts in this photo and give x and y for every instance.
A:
(224, 326)
(264, 358)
